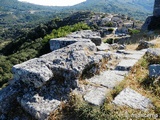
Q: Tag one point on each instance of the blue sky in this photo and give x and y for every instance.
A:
(54, 2)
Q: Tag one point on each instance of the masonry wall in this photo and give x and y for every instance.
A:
(156, 11)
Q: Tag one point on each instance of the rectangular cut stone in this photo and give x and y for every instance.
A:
(33, 72)
(96, 95)
(126, 65)
(58, 43)
(134, 56)
(37, 106)
(108, 79)
(87, 34)
(133, 99)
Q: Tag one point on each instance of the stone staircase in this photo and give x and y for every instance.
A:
(41, 84)
(98, 86)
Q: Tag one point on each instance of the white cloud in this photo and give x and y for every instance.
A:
(54, 2)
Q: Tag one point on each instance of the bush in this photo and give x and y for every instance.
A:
(133, 31)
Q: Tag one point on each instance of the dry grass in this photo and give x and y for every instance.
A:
(131, 46)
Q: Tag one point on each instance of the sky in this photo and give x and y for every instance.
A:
(54, 2)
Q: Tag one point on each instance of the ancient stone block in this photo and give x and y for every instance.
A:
(133, 99)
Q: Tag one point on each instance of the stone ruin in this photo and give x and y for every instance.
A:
(41, 84)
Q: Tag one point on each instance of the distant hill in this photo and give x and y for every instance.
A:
(138, 9)
(18, 17)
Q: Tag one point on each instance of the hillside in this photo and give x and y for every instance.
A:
(138, 9)
(18, 17)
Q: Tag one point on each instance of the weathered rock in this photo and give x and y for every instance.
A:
(96, 95)
(144, 45)
(96, 40)
(58, 43)
(34, 71)
(154, 52)
(87, 34)
(8, 97)
(131, 98)
(38, 106)
(103, 47)
(126, 65)
(154, 70)
(105, 55)
(108, 79)
(134, 54)
(66, 64)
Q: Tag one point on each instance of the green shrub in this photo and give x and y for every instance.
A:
(133, 31)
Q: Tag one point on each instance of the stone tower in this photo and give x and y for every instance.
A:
(156, 11)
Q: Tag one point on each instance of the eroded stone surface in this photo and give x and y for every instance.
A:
(87, 34)
(34, 71)
(126, 65)
(154, 51)
(103, 47)
(38, 106)
(133, 99)
(96, 95)
(108, 79)
(8, 97)
(67, 63)
(58, 43)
